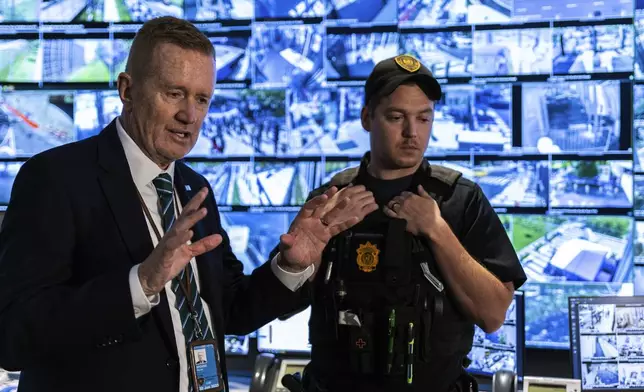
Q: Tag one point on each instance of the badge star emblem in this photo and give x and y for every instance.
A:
(367, 259)
(408, 63)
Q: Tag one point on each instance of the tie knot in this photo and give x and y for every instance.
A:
(163, 183)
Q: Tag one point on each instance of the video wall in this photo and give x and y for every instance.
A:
(543, 107)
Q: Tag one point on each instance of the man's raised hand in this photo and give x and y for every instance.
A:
(173, 252)
(319, 220)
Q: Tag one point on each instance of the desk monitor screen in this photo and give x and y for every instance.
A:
(503, 349)
(607, 342)
(237, 345)
(286, 336)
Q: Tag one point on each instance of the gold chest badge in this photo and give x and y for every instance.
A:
(367, 257)
(408, 63)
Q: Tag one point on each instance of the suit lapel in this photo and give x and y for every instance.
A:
(121, 195)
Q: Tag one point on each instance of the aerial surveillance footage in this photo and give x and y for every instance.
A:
(432, 13)
(572, 116)
(35, 121)
(207, 10)
(65, 11)
(448, 54)
(259, 183)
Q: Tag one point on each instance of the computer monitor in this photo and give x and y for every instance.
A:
(607, 342)
(503, 349)
(237, 344)
(286, 335)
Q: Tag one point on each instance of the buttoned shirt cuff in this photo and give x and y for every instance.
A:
(292, 280)
(142, 303)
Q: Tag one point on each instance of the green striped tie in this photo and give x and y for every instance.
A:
(165, 190)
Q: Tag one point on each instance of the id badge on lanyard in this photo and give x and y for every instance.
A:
(206, 371)
(203, 354)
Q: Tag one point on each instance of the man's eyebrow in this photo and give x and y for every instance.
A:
(172, 86)
(397, 109)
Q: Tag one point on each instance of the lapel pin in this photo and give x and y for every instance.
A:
(188, 188)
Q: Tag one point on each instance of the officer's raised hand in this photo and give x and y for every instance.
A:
(319, 220)
(420, 211)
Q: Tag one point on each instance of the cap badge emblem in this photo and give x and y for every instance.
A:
(407, 62)
(367, 257)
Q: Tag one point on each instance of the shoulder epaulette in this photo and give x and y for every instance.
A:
(344, 177)
(444, 174)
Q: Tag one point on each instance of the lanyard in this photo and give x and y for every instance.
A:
(186, 291)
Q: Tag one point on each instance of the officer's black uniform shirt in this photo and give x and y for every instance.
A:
(470, 216)
(385, 190)
(472, 220)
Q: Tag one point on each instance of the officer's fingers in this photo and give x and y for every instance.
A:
(406, 195)
(389, 212)
(423, 192)
(396, 200)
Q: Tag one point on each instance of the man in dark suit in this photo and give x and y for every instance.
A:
(113, 260)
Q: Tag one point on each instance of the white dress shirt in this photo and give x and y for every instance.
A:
(143, 172)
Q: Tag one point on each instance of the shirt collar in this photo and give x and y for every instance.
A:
(143, 169)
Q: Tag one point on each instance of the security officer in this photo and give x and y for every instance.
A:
(395, 298)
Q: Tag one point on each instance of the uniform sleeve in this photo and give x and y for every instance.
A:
(485, 239)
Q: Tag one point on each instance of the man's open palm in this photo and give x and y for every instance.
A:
(320, 219)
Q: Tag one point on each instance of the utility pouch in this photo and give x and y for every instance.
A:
(361, 346)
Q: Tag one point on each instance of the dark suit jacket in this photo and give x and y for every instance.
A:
(72, 232)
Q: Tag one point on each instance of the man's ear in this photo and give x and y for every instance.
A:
(365, 118)
(124, 86)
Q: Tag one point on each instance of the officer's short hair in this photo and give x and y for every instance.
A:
(388, 74)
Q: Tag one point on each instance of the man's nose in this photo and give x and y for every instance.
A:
(187, 114)
(410, 129)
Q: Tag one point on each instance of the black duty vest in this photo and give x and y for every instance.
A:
(381, 318)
